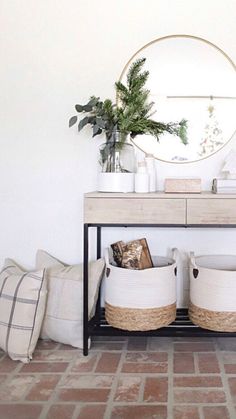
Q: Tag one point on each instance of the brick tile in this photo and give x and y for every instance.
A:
(194, 347)
(160, 344)
(137, 344)
(7, 365)
(84, 363)
(44, 367)
(46, 344)
(149, 368)
(110, 338)
(56, 355)
(87, 381)
(146, 357)
(2, 378)
(107, 346)
(216, 412)
(83, 395)
(64, 347)
(139, 412)
(20, 411)
(226, 344)
(127, 389)
(192, 339)
(208, 363)
(199, 396)
(91, 411)
(108, 362)
(229, 360)
(43, 388)
(156, 390)
(15, 389)
(195, 381)
(185, 412)
(61, 411)
(230, 368)
(228, 357)
(183, 363)
(232, 387)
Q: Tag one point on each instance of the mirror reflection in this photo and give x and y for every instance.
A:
(190, 78)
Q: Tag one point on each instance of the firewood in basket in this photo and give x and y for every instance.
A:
(117, 249)
(146, 259)
(131, 255)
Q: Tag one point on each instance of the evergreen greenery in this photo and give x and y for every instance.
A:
(132, 112)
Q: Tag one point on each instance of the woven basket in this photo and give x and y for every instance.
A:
(213, 292)
(139, 300)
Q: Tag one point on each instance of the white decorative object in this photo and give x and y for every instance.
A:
(141, 181)
(183, 185)
(151, 169)
(63, 321)
(229, 166)
(224, 186)
(115, 182)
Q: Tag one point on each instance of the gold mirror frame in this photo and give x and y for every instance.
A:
(187, 37)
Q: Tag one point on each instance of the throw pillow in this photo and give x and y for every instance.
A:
(22, 306)
(63, 321)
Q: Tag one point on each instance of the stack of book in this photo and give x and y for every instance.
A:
(224, 186)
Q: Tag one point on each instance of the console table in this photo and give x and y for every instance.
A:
(101, 210)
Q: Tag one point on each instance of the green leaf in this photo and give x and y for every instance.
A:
(79, 108)
(100, 122)
(72, 121)
(87, 108)
(93, 101)
(92, 120)
(82, 123)
(96, 130)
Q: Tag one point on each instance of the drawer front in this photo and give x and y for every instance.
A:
(211, 211)
(135, 210)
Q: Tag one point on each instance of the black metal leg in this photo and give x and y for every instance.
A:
(98, 242)
(85, 292)
(98, 306)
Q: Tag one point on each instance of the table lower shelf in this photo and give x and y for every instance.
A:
(182, 326)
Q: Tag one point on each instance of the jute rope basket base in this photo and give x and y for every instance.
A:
(219, 321)
(140, 319)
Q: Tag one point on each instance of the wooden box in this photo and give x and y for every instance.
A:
(183, 185)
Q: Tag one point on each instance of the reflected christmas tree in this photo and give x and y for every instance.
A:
(212, 138)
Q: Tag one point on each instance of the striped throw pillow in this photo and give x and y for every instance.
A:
(22, 307)
(63, 320)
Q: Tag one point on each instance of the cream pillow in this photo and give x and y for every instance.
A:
(63, 321)
(22, 307)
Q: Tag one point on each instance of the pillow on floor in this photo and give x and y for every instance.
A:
(63, 321)
(22, 307)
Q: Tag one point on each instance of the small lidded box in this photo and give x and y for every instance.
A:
(183, 185)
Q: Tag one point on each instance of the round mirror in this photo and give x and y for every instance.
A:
(190, 78)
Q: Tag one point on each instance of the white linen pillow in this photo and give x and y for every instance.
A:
(63, 321)
(22, 306)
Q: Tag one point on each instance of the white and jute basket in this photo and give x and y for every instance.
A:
(213, 292)
(141, 299)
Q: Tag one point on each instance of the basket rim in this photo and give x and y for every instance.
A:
(197, 265)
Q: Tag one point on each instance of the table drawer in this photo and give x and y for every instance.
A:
(211, 211)
(134, 210)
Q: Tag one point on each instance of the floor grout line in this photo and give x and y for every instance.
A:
(224, 377)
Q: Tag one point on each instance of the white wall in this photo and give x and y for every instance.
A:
(53, 55)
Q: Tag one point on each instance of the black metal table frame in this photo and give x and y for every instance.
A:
(97, 326)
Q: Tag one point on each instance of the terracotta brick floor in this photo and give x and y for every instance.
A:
(123, 378)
